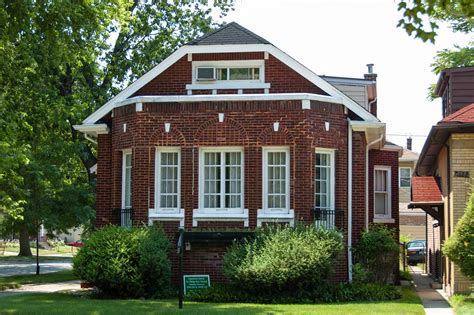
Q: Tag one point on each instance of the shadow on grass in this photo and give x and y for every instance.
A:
(32, 259)
(73, 303)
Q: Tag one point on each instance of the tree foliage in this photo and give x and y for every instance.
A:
(61, 60)
(421, 18)
(460, 246)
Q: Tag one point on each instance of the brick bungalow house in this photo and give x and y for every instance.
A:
(229, 132)
(443, 176)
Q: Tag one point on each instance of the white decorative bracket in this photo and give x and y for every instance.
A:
(167, 127)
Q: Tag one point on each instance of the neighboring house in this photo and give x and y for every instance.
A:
(444, 173)
(412, 221)
(229, 132)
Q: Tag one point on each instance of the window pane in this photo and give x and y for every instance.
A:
(323, 193)
(276, 180)
(168, 180)
(221, 73)
(380, 204)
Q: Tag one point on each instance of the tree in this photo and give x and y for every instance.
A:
(422, 17)
(61, 60)
(460, 246)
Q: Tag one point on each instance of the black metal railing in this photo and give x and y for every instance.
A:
(122, 217)
(328, 218)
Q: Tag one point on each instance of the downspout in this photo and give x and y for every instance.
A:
(367, 179)
(90, 139)
(370, 104)
(349, 200)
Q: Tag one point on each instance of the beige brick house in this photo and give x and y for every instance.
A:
(448, 159)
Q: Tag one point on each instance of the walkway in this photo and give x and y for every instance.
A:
(44, 288)
(23, 268)
(433, 302)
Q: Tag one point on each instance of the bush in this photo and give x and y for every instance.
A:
(460, 246)
(125, 262)
(377, 254)
(283, 258)
(325, 293)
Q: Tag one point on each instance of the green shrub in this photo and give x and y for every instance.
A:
(125, 262)
(377, 253)
(325, 293)
(460, 246)
(283, 258)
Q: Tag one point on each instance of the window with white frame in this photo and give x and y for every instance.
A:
(405, 176)
(221, 179)
(238, 73)
(382, 192)
(276, 176)
(125, 213)
(324, 179)
(168, 181)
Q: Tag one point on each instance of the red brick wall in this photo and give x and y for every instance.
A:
(282, 78)
(384, 158)
(246, 124)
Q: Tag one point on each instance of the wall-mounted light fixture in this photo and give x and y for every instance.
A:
(326, 125)
(167, 127)
(276, 126)
(221, 117)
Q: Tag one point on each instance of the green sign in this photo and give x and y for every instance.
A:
(195, 283)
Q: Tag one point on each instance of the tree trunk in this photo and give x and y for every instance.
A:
(24, 242)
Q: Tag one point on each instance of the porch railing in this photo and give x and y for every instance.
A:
(328, 218)
(122, 217)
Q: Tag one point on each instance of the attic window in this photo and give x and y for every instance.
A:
(230, 73)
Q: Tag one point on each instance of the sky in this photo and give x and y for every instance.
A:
(339, 38)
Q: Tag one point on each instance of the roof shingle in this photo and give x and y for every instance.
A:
(464, 115)
(425, 189)
(229, 34)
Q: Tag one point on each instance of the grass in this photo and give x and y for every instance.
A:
(57, 303)
(13, 282)
(58, 250)
(463, 304)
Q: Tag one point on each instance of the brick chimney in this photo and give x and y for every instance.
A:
(370, 75)
(409, 142)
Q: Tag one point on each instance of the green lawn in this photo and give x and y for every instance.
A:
(463, 304)
(15, 281)
(59, 250)
(79, 304)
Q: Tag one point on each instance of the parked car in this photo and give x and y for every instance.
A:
(416, 251)
(78, 243)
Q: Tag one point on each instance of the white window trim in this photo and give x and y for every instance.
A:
(400, 176)
(275, 215)
(229, 84)
(124, 154)
(221, 214)
(387, 217)
(166, 214)
(332, 157)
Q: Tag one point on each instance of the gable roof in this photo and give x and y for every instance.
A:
(333, 92)
(464, 115)
(461, 121)
(425, 189)
(230, 34)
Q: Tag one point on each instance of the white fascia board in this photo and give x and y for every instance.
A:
(229, 98)
(373, 130)
(92, 129)
(279, 54)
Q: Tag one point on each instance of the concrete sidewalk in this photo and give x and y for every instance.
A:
(433, 300)
(74, 285)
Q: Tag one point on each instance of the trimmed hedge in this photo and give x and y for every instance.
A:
(323, 293)
(126, 262)
(376, 254)
(283, 258)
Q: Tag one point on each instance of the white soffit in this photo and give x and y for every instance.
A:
(185, 50)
